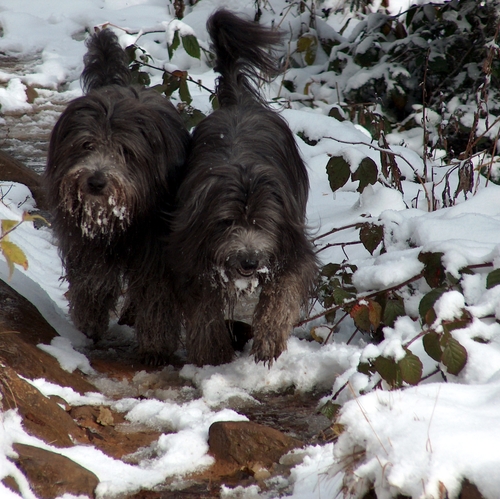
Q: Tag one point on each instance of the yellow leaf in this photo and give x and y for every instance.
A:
(14, 255)
(8, 225)
(307, 44)
(28, 217)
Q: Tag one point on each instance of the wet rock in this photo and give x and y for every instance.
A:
(42, 416)
(52, 475)
(108, 431)
(248, 444)
(22, 328)
(12, 170)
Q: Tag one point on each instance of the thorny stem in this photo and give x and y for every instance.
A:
(336, 229)
(192, 80)
(424, 113)
(331, 245)
(332, 329)
(361, 296)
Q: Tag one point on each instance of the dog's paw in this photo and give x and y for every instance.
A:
(266, 350)
(156, 359)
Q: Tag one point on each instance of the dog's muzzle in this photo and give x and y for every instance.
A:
(96, 183)
(247, 266)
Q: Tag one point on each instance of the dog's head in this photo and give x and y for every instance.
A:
(113, 156)
(238, 223)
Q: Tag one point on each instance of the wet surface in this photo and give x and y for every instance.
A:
(25, 134)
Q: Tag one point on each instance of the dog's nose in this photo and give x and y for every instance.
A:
(96, 183)
(248, 266)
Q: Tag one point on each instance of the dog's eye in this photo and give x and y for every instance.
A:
(226, 222)
(127, 153)
(88, 146)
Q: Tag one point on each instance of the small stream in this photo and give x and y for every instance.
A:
(25, 134)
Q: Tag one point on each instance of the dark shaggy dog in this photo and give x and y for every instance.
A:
(239, 229)
(112, 169)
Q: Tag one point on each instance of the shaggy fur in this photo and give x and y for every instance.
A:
(112, 170)
(239, 230)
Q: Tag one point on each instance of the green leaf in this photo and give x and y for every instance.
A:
(191, 46)
(454, 356)
(361, 318)
(394, 308)
(141, 78)
(330, 410)
(338, 171)
(432, 346)
(365, 368)
(172, 47)
(308, 45)
(184, 92)
(214, 101)
(171, 83)
(367, 317)
(493, 279)
(192, 116)
(374, 314)
(367, 173)
(340, 296)
(330, 269)
(409, 14)
(388, 370)
(463, 321)
(371, 235)
(427, 303)
(433, 272)
(411, 368)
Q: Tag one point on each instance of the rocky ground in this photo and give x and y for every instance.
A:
(246, 452)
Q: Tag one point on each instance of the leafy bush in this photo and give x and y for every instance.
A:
(430, 68)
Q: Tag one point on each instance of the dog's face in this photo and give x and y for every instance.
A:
(109, 159)
(241, 206)
(235, 223)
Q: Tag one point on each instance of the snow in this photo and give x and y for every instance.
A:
(410, 441)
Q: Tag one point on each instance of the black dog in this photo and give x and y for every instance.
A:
(112, 171)
(239, 229)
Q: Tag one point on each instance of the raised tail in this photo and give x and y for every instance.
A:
(241, 51)
(106, 63)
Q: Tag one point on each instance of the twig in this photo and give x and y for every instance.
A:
(336, 229)
(192, 80)
(343, 245)
(332, 329)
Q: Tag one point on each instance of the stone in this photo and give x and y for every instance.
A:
(247, 444)
(52, 475)
(22, 328)
(12, 170)
(42, 416)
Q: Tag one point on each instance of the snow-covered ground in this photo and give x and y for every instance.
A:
(412, 441)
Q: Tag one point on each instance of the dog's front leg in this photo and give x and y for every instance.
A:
(277, 311)
(157, 322)
(91, 297)
(208, 340)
